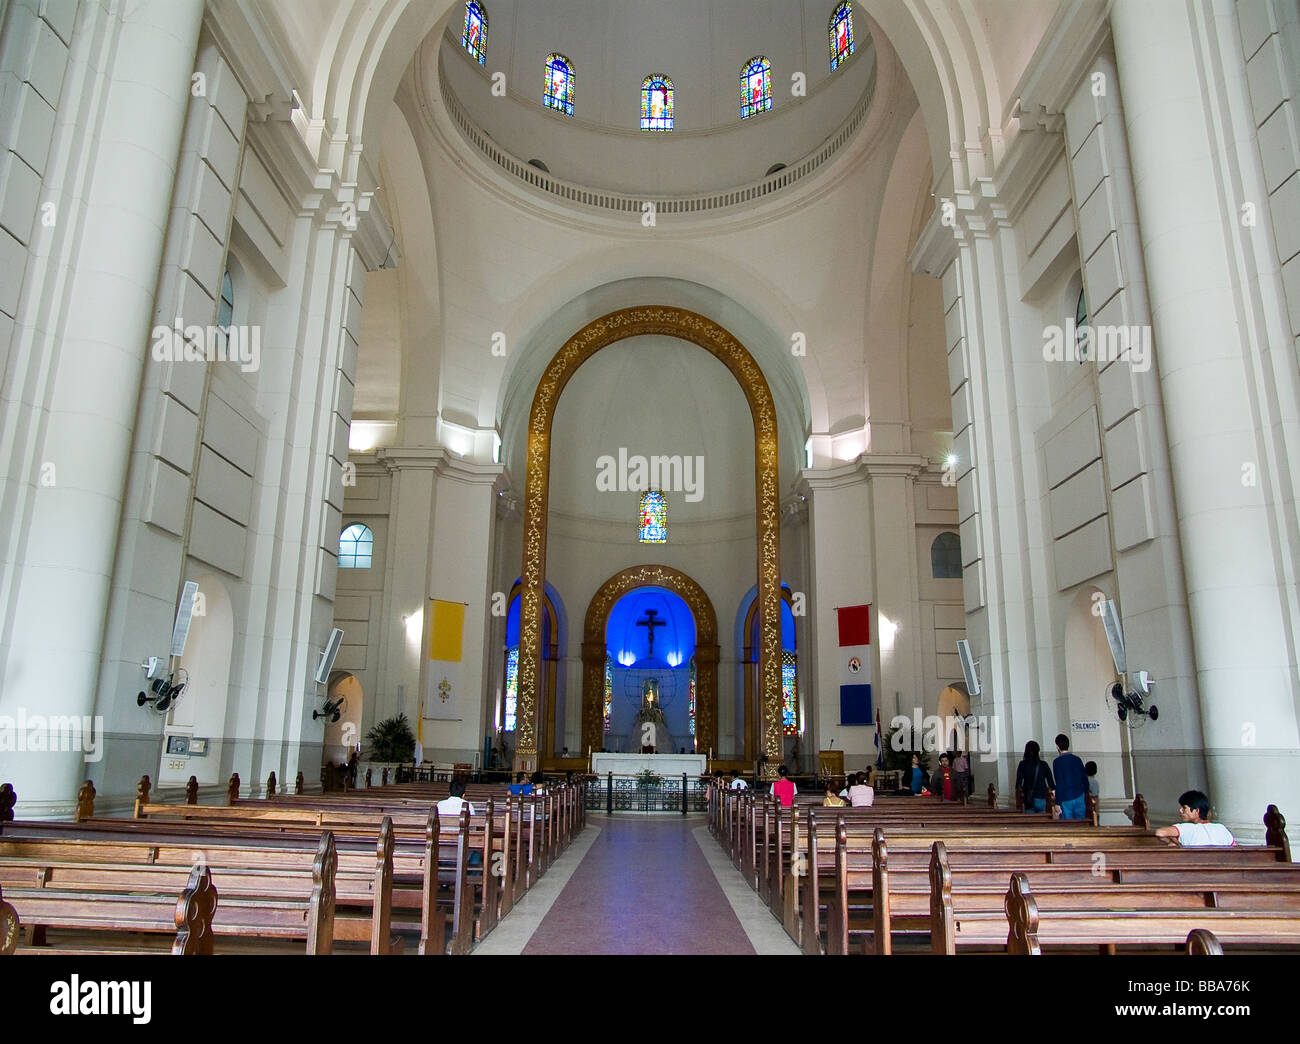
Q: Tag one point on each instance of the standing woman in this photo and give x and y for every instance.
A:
(1034, 779)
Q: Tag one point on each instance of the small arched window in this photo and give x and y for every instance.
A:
(945, 557)
(657, 103)
(558, 91)
(474, 36)
(226, 306)
(755, 86)
(356, 545)
(841, 33)
(654, 518)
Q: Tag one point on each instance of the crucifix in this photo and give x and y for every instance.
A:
(650, 624)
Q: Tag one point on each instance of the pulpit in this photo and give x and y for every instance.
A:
(830, 763)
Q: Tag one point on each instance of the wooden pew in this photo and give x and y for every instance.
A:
(1029, 928)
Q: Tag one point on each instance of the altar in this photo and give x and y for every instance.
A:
(693, 765)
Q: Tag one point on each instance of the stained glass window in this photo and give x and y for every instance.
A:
(474, 37)
(690, 707)
(755, 87)
(654, 518)
(657, 103)
(609, 692)
(558, 93)
(1082, 334)
(356, 544)
(841, 30)
(512, 686)
(789, 694)
(945, 557)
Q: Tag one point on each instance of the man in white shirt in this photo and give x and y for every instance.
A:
(1196, 831)
(736, 782)
(451, 806)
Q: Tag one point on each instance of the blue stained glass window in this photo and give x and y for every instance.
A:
(512, 687)
(558, 93)
(356, 544)
(657, 103)
(609, 692)
(691, 704)
(841, 30)
(474, 36)
(789, 694)
(654, 518)
(755, 87)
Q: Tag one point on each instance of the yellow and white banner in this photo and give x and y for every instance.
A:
(442, 680)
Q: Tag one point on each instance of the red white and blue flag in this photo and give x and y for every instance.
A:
(855, 665)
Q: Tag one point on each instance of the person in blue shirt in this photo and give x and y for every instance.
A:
(1071, 780)
(519, 786)
(918, 775)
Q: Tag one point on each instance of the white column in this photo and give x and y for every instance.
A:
(1182, 79)
(97, 327)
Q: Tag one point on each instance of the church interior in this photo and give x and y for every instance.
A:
(615, 427)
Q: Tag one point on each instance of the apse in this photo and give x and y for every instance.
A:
(650, 645)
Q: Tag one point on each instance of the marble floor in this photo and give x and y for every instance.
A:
(638, 884)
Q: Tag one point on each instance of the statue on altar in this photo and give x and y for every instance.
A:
(650, 735)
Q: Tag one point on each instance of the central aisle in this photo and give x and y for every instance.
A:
(644, 887)
(641, 885)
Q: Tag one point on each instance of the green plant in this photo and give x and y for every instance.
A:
(647, 778)
(392, 740)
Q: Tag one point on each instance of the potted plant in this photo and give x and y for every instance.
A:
(390, 743)
(647, 778)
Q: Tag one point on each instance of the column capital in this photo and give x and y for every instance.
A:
(895, 465)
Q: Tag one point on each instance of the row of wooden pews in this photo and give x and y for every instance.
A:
(918, 875)
(372, 871)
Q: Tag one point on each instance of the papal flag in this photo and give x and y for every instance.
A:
(855, 665)
(442, 681)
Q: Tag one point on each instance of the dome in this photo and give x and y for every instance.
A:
(702, 47)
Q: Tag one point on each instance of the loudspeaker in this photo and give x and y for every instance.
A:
(968, 667)
(1114, 636)
(327, 657)
(184, 617)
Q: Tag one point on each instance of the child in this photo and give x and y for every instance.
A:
(1094, 788)
(1196, 831)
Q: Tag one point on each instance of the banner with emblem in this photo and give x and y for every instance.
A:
(446, 637)
(855, 665)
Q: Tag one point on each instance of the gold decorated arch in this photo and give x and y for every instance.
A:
(595, 650)
(609, 329)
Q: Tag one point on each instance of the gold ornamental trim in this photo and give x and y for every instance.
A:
(706, 647)
(617, 326)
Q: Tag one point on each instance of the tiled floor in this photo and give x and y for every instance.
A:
(643, 885)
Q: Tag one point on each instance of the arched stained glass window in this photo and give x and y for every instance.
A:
(356, 544)
(512, 687)
(755, 86)
(841, 30)
(789, 694)
(609, 692)
(474, 36)
(945, 557)
(654, 518)
(657, 103)
(1082, 333)
(558, 93)
(690, 707)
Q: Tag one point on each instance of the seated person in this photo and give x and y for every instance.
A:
(736, 782)
(861, 795)
(520, 785)
(833, 800)
(451, 806)
(1196, 830)
(539, 783)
